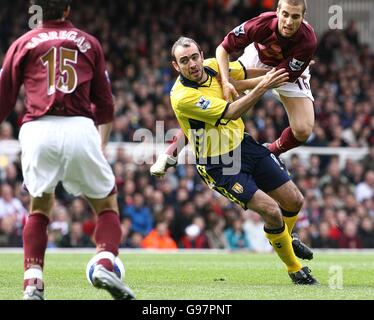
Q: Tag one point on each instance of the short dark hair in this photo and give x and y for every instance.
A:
(52, 9)
(295, 3)
(185, 43)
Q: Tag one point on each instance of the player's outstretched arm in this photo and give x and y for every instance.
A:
(169, 157)
(229, 91)
(273, 79)
(254, 77)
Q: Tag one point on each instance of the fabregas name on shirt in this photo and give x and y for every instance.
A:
(80, 41)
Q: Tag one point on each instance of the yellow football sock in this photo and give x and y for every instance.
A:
(282, 244)
(290, 219)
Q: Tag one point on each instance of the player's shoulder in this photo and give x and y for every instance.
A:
(212, 63)
(91, 38)
(25, 37)
(309, 34)
(181, 93)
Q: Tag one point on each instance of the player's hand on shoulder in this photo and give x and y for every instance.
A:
(229, 91)
(163, 162)
(236, 84)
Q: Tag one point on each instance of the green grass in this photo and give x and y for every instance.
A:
(218, 276)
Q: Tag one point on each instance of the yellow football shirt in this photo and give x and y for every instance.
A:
(200, 108)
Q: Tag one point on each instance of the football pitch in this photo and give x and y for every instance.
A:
(200, 276)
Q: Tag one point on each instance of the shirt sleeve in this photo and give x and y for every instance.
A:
(11, 79)
(243, 35)
(198, 107)
(237, 71)
(101, 91)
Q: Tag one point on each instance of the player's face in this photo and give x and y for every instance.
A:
(289, 19)
(189, 62)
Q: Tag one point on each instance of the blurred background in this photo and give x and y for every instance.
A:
(335, 170)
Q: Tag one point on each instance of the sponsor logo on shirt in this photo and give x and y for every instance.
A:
(239, 30)
(296, 65)
(203, 103)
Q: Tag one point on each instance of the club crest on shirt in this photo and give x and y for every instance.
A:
(203, 103)
(239, 30)
(296, 65)
(238, 188)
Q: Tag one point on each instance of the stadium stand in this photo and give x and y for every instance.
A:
(335, 171)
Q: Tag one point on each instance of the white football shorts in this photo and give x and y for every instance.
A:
(300, 88)
(66, 149)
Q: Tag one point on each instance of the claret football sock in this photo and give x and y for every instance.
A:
(286, 142)
(290, 219)
(35, 240)
(281, 241)
(106, 259)
(108, 232)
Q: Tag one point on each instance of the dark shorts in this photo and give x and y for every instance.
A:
(251, 168)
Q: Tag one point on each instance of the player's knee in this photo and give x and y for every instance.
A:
(101, 205)
(273, 216)
(42, 205)
(303, 132)
(297, 201)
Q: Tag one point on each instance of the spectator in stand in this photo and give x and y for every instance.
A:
(320, 238)
(215, 234)
(237, 237)
(368, 160)
(253, 228)
(76, 238)
(195, 237)
(333, 177)
(365, 189)
(159, 238)
(349, 238)
(366, 232)
(6, 131)
(140, 215)
(11, 206)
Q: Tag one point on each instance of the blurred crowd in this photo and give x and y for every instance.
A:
(179, 211)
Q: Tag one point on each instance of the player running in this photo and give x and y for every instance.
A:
(229, 160)
(63, 71)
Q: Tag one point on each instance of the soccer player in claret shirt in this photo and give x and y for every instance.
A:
(280, 39)
(63, 71)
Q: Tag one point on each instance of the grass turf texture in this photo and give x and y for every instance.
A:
(189, 276)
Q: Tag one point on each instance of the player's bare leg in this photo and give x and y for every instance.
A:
(35, 241)
(108, 236)
(300, 111)
(291, 202)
